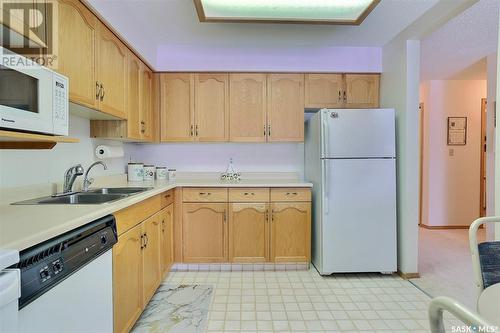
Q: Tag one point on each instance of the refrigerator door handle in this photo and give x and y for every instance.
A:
(326, 186)
(324, 135)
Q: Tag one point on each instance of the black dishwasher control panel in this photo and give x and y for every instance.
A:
(44, 265)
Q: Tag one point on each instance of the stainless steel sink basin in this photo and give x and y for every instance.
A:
(120, 190)
(92, 197)
(74, 199)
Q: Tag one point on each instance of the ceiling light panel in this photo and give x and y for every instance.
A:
(288, 11)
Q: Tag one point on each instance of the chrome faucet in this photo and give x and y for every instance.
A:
(70, 177)
(86, 181)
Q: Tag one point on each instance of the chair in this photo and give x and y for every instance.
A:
(485, 256)
(486, 270)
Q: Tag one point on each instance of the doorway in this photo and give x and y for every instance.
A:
(482, 179)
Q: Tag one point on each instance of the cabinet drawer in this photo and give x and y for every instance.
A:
(204, 194)
(167, 198)
(135, 214)
(290, 194)
(248, 195)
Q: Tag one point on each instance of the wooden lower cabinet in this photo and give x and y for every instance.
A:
(167, 240)
(141, 258)
(127, 279)
(204, 232)
(151, 269)
(291, 232)
(248, 232)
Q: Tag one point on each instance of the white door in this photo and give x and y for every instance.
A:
(359, 219)
(358, 133)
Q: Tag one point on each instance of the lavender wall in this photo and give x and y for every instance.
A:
(268, 58)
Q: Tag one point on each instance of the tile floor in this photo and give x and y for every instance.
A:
(292, 301)
(445, 264)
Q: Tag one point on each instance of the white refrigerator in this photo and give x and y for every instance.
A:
(350, 157)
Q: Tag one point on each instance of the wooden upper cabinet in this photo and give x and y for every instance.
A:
(76, 52)
(211, 107)
(112, 70)
(362, 90)
(204, 232)
(248, 232)
(133, 97)
(247, 107)
(324, 90)
(177, 107)
(146, 111)
(151, 267)
(285, 107)
(127, 280)
(291, 232)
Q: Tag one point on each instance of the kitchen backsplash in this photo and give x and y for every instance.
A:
(30, 167)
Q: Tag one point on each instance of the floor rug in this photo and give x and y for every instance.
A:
(176, 308)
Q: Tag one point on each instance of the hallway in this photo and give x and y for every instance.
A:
(445, 264)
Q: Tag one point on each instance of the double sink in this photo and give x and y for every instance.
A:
(91, 197)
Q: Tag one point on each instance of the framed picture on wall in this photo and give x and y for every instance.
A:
(457, 131)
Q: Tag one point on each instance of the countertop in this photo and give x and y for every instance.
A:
(24, 226)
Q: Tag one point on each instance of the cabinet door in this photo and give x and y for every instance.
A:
(204, 230)
(112, 73)
(151, 229)
(211, 107)
(177, 107)
(248, 232)
(290, 232)
(323, 90)
(76, 51)
(127, 280)
(362, 90)
(285, 107)
(146, 103)
(133, 97)
(167, 231)
(247, 107)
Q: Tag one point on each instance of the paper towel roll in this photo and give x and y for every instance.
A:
(104, 151)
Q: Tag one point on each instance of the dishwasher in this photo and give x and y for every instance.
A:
(67, 281)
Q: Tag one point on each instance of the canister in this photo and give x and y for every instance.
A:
(135, 172)
(149, 172)
(171, 174)
(161, 173)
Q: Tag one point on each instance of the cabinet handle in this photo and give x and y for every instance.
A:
(291, 193)
(103, 92)
(146, 240)
(249, 193)
(143, 127)
(265, 132)
(192, 130)
(205, 193)
(340, 96)
(267, 215)
(268, 130)
(272, 215)
(97, 90)
(142, 242)
(345, 97)
(225, 216)
(196, 130)
(167, 196)
(163, 225)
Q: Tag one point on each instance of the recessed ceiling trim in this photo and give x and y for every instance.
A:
(228, 19)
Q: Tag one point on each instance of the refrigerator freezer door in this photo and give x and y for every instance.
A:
(359, 226)
(357, 133)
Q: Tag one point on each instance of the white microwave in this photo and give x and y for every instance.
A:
(33, 98)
